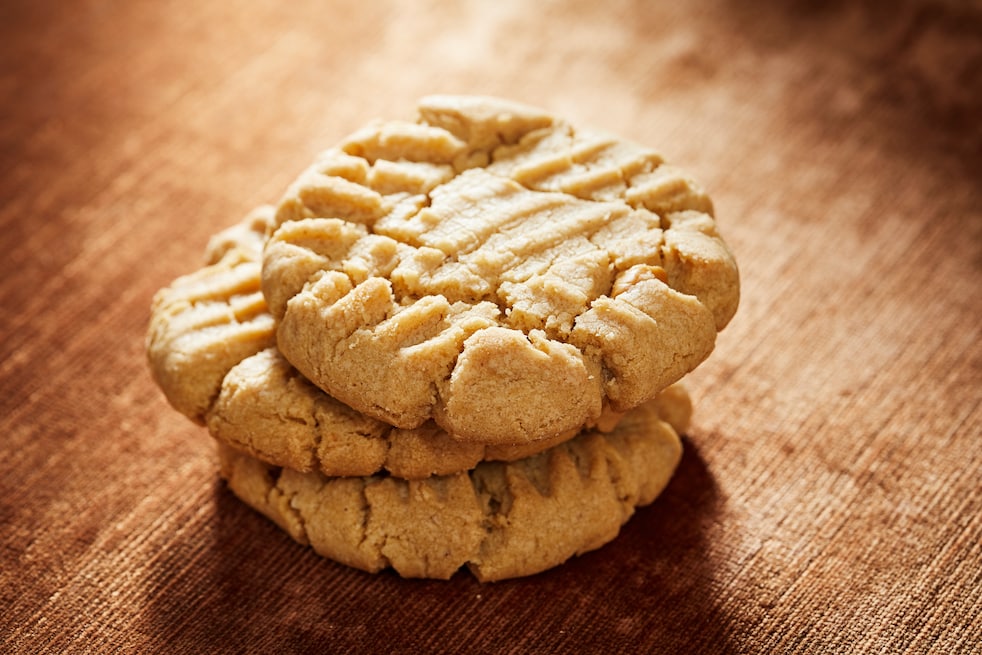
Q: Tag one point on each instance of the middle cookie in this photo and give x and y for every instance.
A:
(266, 409)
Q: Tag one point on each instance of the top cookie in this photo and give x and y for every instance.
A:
(492, 268)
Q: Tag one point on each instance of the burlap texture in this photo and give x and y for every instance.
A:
(829, 498)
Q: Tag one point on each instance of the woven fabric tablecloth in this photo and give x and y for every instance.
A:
(830, 494)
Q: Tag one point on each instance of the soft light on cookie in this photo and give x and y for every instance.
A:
(494, 269)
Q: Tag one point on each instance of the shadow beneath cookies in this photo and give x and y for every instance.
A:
(651, 589)
(251, 588)
(243, 584)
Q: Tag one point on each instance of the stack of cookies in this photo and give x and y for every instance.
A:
(454, 342)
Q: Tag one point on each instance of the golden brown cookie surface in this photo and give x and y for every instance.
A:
(495, 270)
(500, 520)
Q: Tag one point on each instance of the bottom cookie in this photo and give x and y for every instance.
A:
(500, 520)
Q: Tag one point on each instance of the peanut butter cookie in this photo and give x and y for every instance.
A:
(495, 270)
(500, 520)
(267, 410)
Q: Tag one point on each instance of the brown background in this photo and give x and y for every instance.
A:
(830, 496)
